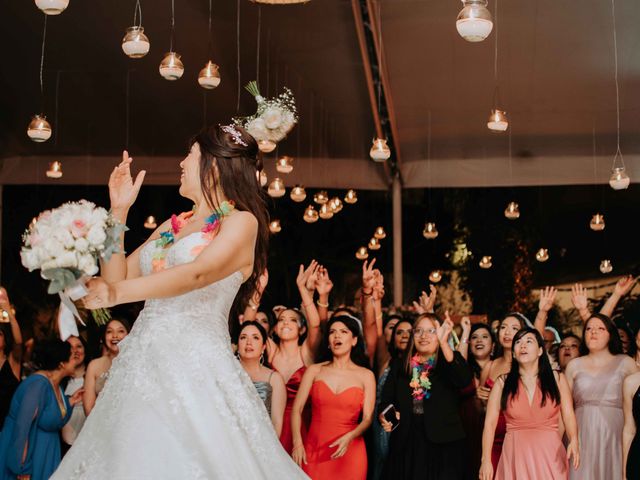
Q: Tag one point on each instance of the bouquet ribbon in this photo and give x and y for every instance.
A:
(68, 312)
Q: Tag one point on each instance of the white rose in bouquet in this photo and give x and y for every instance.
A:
(64, 237)
(52, 247)
(30, 259)
(67, 260)
(272, 117)
(81, 245)
(87, 265)
(96, 236)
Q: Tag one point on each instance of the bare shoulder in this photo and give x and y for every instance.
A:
(315, 368)
(632, 383)
(97, 366)
(366, 375)
(242, 219)
(629, 364)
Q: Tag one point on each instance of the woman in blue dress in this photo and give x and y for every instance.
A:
(30, 439)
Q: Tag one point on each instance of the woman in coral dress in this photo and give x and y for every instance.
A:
(342, 392)
(532, 398)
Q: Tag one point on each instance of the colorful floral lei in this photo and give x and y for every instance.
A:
(420, 382)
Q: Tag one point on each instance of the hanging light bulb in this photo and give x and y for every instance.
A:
(430, 231)
(597, 223)
(362, 253)
(52, 7)
(498, 121)
(284, 164)
(325, 212)
(266, 146)
(542, 255)
(435, 276)
(380, 233)
(321, 197)
(274, 226)
(55, 169)
(209, 76)
(135, 43)
(276, 188)
(512, 211)
(351, 197)
(310, 215)
(374, 244)
(474, 22)
(380, 150)
(485, 262)
(619, 179)
(150, 222)
(298, 194)
(39, 130)
(605, 266)
(171, 67)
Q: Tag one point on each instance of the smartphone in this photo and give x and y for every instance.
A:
(389, 415)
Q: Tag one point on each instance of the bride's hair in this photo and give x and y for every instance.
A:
(235, 154)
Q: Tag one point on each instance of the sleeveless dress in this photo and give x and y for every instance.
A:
(8, 385)
(633, 459)
(598, 404)
(501, 431)
(265, 390)
(532, 448)
(292, 386)
(380, 437)
(178, 404)
(333, 415)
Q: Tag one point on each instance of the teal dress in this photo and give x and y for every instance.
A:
(33, 423)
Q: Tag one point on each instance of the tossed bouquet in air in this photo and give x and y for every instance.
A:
(273, 120)
(66, 243)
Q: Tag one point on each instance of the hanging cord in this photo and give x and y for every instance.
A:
(173, 26)
(238, 52)
(137, 15)
(510, 160)
(429, 159)
(127, 110)
(496, 90)
(209, 30)
(615, 59)
(258, 45)
(379, 24)
(44, 38)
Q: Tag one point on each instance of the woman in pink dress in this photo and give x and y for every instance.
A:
(532, 397)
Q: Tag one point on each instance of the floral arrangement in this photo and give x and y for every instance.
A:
(274, 118)
(65, 244)
(420, 382)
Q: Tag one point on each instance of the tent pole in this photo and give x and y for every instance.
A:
(397, 239)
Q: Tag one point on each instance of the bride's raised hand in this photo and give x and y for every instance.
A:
(123, 191)
(100, 294)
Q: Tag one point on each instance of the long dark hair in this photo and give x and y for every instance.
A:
(548, 384)
(358, 355)
(614, 345)
(263, 334)
(475, 367)
(394, 352)
(524, 323)
(238, 163)
(411, 346)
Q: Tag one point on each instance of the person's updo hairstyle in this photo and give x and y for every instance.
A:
(49, 354)
(238, 162)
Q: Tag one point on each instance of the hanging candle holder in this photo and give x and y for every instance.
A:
(512, 212)
(485, 262)
(321, 197)
(335, 204)
(266, 146)
(325, 212)
(276, 188)
(135, 43)
(542, 255)
(380, 151)
(435, 276)
(606, 266)
(498, 121)
(274, 226)
(374, 244)
(597, 223)
(351, 197)
(54, 170)
(52, 7)
(171, 68)
(380, 233)
(619, 179)
(39, 129)
(284, 164)
(310, 215)
(474, 22)
(298, 194)
(430, 231)
(262, 178)
(362, 253)
(150, 223)
(209, 76)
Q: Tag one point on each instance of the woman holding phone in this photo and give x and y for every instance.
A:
(424, 388)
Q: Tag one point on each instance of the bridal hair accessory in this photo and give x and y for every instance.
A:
(235, 134)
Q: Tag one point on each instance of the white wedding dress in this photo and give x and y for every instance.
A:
(177, 404)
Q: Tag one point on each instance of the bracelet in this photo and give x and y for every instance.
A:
(323, 305)
(464, 340)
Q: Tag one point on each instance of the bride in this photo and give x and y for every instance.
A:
(177, 403)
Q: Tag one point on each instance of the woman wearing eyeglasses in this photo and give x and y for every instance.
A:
(424, 389)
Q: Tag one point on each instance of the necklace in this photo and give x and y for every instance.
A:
(420, 382)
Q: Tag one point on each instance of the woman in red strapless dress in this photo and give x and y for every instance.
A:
(342, 392)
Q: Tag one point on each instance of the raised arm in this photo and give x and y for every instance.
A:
(623, 286)
(368, 310)
(314, 336)
(324, 285)
(580, 301)
(15, 356)
(547, 297)
(251, 309)
(463, 346)
(426, 303)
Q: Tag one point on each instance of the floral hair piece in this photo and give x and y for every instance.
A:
(235, 134)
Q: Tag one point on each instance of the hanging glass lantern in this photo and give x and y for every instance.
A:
(325, 212)
(430, 231)
(380, 150)
(310, 215)
(171, 67)
(276, 188)
(39, 130)
(619, 179)
(362, 253)
(284, 164)
(474, 22)
(542, 255)
(351, 197)
(298, 193)
(597, 223)
(512, 211)
(209, 76)
(52, 7)
(150, 223)
(498, 121)
(55, 169)
(435, 276)
(321, 197)
(274, 226)
(335, 204)
(262, 178)
(606, 267)
(380, 233)
(485, 262)
(135, 43)
(266, 146)
(374, 244)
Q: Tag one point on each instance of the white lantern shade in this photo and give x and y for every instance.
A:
(209, 76)
(298, 194)
(485, 262)
(351, 197)
(266, 146)
(498, 121)
(39, 129)
(54, 170)
(52, 7)
(150, 223)
(284, 164)
(362, 253)
(597, 223)
(512, 211)
(474, 22)
(606, 266)
(430, 231)
(171, 67)
(374, 244)
(435, 276)
(321, 197)
(276, 188)
(274, 226)
(325, 212)
(335, 204)
(542, 255)
(310, 215)
(379, 150)
(619, 179)
(135, 43)
(380, 233)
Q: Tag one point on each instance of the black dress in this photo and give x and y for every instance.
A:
(8, 385)
(633, 459)
(431, 445)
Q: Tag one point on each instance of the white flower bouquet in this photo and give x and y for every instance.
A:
(274, 118)
(65, 244)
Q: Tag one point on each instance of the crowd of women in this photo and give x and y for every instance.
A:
(358, 392)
